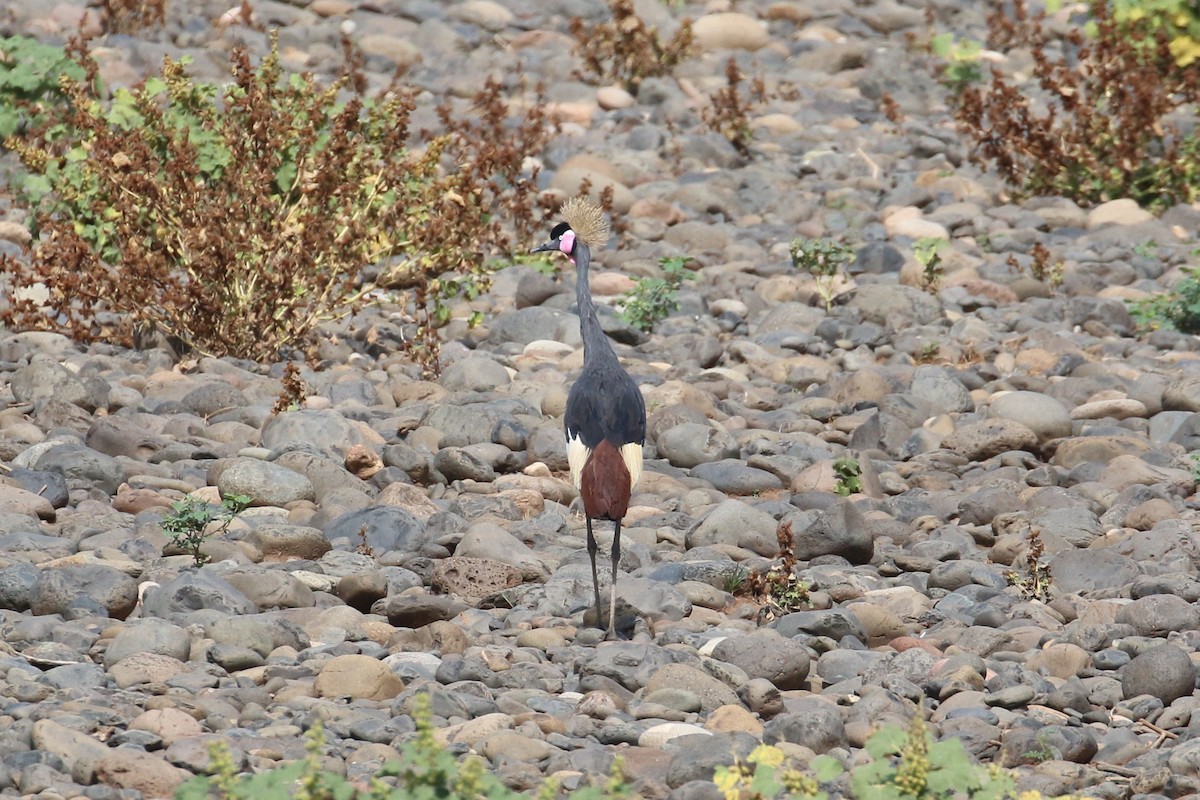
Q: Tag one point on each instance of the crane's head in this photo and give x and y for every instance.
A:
(583, 224)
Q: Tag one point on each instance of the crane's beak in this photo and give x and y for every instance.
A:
(548, 247)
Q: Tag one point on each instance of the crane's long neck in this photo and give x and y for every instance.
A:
(595, 343)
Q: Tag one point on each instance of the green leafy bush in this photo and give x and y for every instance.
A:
(190, 517)
(824, 259)
(236, 219)
(849, 476)
(961, 66)
(29, 82)
(928, 252)
(1178, 19)
(904, 765)
(1177, 308)
(652, 300)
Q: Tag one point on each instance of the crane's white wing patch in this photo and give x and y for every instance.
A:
(578, 454)
(631, 454)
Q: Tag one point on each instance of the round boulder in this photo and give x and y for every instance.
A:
(358, 677)
(1165, 672)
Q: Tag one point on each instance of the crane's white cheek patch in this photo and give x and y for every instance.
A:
(578, 454)
(631, 454)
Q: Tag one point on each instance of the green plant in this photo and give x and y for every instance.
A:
(734, 581)
(1146, 249)
(909, 764)
(625, 50)
(763, 776)
(1177, 308)
(189, 518)
(235, 220)
(424, 771)
(1037, 582)
(928, 353)
(824, 259)
(1178, 19)
(904, 765)
(728, 112)
(1042, 751)
(849, 476)
(1092, 123)
(928, 252)
(1195, 459)
(961, 66)
(30, 75)
(653, 299)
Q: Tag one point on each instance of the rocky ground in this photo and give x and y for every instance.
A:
(412, 536)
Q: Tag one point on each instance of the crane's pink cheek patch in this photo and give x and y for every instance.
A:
(566, 242)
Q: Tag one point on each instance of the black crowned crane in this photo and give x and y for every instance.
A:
(605, 418)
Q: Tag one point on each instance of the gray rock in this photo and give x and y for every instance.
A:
(629, 664)
(833, 623)
(323, 430)
(271, 589)
(696, 758)
(212, 397)
(265, 483)
(242, 632)
(690, 444)
(1182, 394)
(17, 584)
(150, 635)
(132, 436)
(766, 654)
(58, 589)
(547, 443)
(734, 477)
(734, 522)
(811, 723)
(1159, 614)
(838, 530)
(383, 529)
(459, 463)
(1090, 570)
(79, 463)
(1165, 672)
(232, 658)
(1078, 526)
(200, 590)
(978, 441)
(526, 325)
(44, 380)
(475, 374)
(417, 611)
(940, 390)
(1046, 416)
(896, 307)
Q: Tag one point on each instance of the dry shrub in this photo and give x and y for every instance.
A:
(237, 219)
(625, 50)
(1096, 127)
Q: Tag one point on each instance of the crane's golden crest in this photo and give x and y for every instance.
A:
(587, 221)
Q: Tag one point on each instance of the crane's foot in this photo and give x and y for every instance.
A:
(626, 621)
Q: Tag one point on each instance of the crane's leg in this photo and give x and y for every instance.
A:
(592, 550)
(612, 592)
